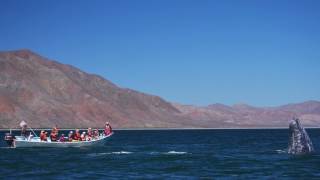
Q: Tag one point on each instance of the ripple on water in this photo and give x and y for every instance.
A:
(108, 153)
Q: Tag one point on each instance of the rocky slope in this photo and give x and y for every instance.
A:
(45, 93)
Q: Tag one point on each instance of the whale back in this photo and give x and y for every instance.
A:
(299, 140)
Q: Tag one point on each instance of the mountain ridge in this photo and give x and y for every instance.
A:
(44, 93)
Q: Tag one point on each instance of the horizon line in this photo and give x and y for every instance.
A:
(169, 129)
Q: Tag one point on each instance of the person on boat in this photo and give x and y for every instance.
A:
(10, 139)
(107, 129)
(43, 135)
(83, 136)
(89, 132)
(77, 135)
(96, 134)
(55, 128)
(70, 136)
(62, 138)
(24, 129)
(54, 135)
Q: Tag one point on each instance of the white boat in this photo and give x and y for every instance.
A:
(21, 141)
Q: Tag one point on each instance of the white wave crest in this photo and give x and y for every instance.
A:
(281, 151)
(176, 152)
(122, 152)
(108, 153)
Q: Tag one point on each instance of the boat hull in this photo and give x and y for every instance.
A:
(20, 142)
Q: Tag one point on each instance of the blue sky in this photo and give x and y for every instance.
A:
(262, 52)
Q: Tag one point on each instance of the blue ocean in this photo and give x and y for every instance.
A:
(168, 154)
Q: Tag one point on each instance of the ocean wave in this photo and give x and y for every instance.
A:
(169, 153)
(7, 147)
(128, 152)
(108, 153)
(281, 151)
(122, 152)
(96, 154)
(176, 152)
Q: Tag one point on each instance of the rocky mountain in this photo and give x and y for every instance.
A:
(44, 93)
(242, 115)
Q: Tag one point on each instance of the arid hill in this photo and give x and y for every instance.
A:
(45, 93)
(242, 115)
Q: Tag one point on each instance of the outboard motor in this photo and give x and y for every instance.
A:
(9, 138)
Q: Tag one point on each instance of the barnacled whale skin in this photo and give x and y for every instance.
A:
(299, 141)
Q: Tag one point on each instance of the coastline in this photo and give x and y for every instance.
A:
(165, 129)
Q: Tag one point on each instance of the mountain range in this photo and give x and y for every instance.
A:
(45, 93)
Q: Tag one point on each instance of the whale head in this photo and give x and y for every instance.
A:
(299, 141)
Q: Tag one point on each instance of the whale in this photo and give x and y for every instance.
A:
(299, 140)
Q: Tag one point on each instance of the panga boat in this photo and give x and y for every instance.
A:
(21, 141)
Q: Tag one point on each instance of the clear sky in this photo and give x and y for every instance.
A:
(262, 52)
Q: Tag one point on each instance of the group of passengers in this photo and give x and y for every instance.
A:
(75, 136)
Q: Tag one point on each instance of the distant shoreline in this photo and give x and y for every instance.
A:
(166, 129)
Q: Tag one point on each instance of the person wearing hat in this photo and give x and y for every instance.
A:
(107, 129)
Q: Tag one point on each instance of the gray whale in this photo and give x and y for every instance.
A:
(299, 141)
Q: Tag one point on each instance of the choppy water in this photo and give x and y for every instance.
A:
(178, 154)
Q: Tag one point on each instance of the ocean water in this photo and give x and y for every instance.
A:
(168, 154)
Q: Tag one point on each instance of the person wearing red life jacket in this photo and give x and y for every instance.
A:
(54, 134)
(55, 128)
(70, 136)
(43, 136)
(77, 135)
(83, 136)
(107, 129)
(89, 132)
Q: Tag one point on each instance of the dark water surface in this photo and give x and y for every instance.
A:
(168, 154)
